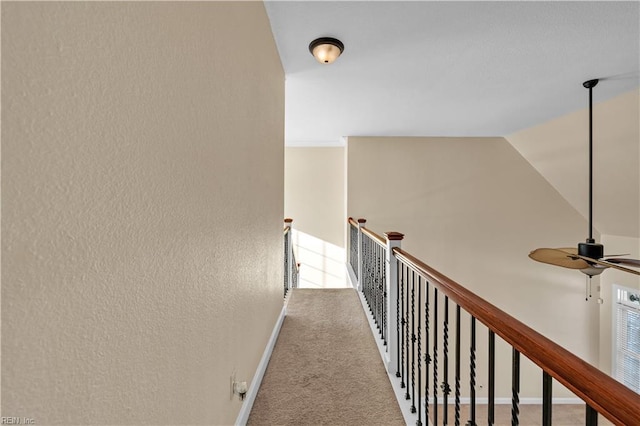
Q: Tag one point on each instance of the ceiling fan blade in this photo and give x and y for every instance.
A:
(621, 261)
(559, 257)
(609, 264)
(571, 250)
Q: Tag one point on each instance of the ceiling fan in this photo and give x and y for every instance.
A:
(589, 256)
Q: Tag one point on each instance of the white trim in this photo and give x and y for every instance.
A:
(247, 405)
(409, 417)
(352, 277)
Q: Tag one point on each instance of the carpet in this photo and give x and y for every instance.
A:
(325, 368)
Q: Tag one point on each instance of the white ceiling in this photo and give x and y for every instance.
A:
(426, 68)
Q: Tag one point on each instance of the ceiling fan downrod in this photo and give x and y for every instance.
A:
(590, 248)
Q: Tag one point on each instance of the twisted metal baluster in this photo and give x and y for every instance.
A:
(402, 321)
(419, 421)
(435, 355)
(385, 326)
(427, 357)
(446, 389)
(376, 283)
(406, 338)
(413, 342)
(380, 285)
(369, 274)
(472, 373)
(377, 290)
(398, 266)
(353, 249)
(286, 264)
(515, 387)
(365, 267)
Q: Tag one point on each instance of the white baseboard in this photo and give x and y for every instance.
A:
(250, 398)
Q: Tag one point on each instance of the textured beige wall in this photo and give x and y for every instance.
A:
(473, 208)
(142, 176)
(558, 149)
(314, 191)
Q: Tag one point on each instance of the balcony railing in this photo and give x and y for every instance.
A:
(291, 266)
(418, 314)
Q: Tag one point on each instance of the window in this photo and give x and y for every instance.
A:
(626, 359)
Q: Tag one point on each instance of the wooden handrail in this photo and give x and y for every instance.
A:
(353, 222)
(375, 237)
(287, 229)
(611, 398)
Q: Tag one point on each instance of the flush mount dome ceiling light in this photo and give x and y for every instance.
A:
(326, 49)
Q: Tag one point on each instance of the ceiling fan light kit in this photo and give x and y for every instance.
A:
(589, 258)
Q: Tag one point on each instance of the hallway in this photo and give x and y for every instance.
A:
(325, 367)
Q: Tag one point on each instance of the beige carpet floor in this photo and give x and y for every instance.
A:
(325, 368)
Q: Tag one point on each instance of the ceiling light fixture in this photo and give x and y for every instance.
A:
(326, 49)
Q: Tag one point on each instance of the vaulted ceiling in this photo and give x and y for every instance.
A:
(424, 68)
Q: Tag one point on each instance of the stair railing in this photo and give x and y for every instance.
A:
(417, 312)
(291, 266)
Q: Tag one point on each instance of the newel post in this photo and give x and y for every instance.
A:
(361, 223)
(394, 239)
(289, 253)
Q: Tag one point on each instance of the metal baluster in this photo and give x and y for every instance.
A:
(369, 274)
(286, 264)
(385, 326)
(399, 318)
(365, 275)
(546, 398)
(353, 246)
(419, 421)
(376, 285)
(457, 407)
(406, 336)
(492, 378)
(379, 289)
(427, 357)
(515, 387)
(472, 373)
(446, 390)
(413, 342)
(402, 321)
(591, 416)
(435, 355)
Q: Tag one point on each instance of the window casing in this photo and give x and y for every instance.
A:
(626, 323)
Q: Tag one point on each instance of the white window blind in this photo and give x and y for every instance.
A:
(627, 336)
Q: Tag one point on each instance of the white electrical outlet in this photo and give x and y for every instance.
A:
(232, 386)
(241, 389)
